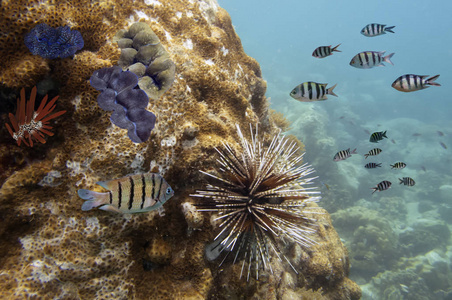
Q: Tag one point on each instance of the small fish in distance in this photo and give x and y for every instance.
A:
(398, 165)
(312, 91)
(372, 165)
(131, 194)
(370, 59)
(344, 154)
(374, 29)
(407, 181)
(377, 136)
(382, 186)
(411, 82)
(373, 152)
(440, 133)
(324, 51)
(443, 145)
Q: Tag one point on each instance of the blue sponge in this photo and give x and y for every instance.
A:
(118, 94)
(49, 42)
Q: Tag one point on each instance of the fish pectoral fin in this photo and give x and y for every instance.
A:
(110, 208)
(148, 203)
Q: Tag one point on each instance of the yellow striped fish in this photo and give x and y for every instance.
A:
(131, 194)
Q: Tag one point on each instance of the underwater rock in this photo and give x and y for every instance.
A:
(140, 45)
(51, 249)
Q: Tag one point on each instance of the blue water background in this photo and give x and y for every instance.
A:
(281, 36)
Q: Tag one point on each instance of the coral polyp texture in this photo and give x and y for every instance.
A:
(118, 94)
(143, 54)
(49, 42)
(51, 249)
(262, 201)
(28, 125)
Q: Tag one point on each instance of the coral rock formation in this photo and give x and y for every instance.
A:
(50, 248)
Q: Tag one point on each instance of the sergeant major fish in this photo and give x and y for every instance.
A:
(130, 194)
(374, 29)
(373, 152)
(382, 186)
(372, 165)
(344, 154)
(370, 59)
(411, 82)
(407, 181)
(324, 51)
(377, 136)
(398, 165)
(312, 91)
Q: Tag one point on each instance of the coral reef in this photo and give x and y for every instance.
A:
(49, 42)
(51, 249)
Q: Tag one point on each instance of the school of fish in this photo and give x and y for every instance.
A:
(310, 91)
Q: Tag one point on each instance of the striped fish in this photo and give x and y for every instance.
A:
(312, 91)
(372, 165)
(131, 194)
(377, 136)
(374, 29)
(382, 186)
(373, 152)
(398, 165)
(324, 51)
(370, 59)
(344, 154)
(407, 181)
(411, 82)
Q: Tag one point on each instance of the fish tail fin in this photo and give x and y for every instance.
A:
(384, 134)
(335, 49)
(366, 155)
(379, 165)
(431, 79)
(93, 199)
(392, 166)
(400, 181)
(389, 29)
(387, 58)
(330, 90)
(375, 189)
(353, 152)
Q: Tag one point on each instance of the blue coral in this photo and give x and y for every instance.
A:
(49, 42)
(118, 94)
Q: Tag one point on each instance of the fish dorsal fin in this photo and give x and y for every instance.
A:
(105, 184)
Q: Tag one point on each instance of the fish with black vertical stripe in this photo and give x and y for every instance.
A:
(370, 59)
(131, 194)
(411, 82)
(324, 51)
(382, 186)
(374, 29)
(312, 91)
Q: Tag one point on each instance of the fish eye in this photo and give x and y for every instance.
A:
(168, 191)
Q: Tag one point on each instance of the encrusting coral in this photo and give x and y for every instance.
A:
(51, 249)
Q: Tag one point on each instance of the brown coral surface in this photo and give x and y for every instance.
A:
(50, 249)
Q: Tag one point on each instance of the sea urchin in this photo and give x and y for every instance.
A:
(261, 201)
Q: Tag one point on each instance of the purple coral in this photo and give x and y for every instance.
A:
(118, 94)
(49, 42)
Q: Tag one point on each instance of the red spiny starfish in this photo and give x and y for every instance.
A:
(28, 123)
